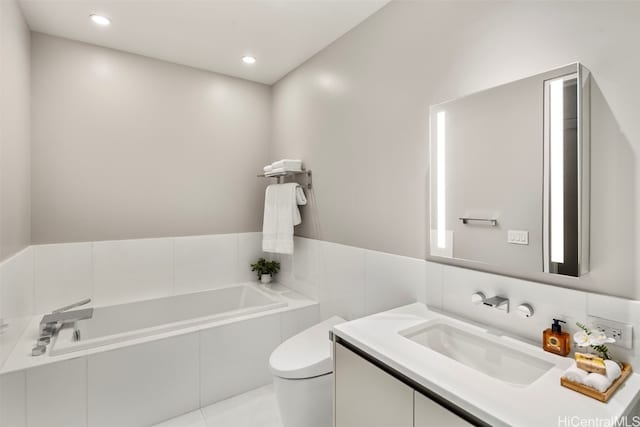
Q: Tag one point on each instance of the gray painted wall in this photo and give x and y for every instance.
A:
(126, 146)
(15, 200)
(357, 113)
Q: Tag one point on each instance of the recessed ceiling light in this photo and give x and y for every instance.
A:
(249, 59)
(100, 20)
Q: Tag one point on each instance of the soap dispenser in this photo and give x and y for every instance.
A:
(556, 341)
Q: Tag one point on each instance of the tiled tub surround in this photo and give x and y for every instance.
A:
(146, 380)
(44, 277)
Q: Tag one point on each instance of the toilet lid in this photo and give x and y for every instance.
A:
(305, 355)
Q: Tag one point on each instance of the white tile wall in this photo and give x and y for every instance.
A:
(547, 301)
(235, 358)
(57, 394)
(16, 299)
(434, 273)
(126, 270)
(63, 274)
(249, 250)
(16, 276)
(393, 281)
(205, 262)
(348, 281)
(13, 400)
(342, 289)
(143, 384)
(302, 271)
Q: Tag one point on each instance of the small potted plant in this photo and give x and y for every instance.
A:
(265, 269)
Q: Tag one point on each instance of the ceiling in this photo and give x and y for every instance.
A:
(207, 34)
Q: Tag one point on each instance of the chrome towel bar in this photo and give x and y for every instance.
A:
(492, 222)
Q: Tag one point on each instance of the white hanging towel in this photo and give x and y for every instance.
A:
(281, 214)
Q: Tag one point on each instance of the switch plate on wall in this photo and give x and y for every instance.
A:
(621, 332)
(518, 237)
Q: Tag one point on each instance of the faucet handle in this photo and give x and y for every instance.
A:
(478, 298)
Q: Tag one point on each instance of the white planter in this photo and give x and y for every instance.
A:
(265, 278)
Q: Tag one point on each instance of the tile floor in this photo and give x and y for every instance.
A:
(256, 408)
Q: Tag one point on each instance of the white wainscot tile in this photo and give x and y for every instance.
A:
(342, 288)
(434, 272)
(16, 278)
(306, 267)
(205, 262)
(393, 281)
(296, 321)
(234, 358)
(548, 302)
(191, 419)
(301, 271)
(16, 299)
(127, 270)
(13, 409)
(249, 250)
(144, 384)
(63, 274)
(57, 394)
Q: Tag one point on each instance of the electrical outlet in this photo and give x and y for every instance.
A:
(621, 332)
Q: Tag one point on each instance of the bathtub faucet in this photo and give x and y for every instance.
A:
(52, 323)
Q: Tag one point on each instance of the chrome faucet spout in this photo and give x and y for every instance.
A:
(498, 302)
(70, 306)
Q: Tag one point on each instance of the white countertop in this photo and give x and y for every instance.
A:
(543, 403)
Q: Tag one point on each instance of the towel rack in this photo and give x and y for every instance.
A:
(492, 221)
(281, 175)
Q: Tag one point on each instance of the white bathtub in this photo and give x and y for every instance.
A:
(117, 323)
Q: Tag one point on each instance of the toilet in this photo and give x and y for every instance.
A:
(303, 376)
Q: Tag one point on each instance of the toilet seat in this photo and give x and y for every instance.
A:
(305, 355)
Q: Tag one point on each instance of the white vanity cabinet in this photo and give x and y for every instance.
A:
(427, 413)
(367, 396)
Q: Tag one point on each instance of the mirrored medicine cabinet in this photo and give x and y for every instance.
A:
(509, 175)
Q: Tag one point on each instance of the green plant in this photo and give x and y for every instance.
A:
(262, 266)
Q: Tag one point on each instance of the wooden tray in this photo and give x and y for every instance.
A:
(592, 392)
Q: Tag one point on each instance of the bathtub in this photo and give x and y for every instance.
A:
(123, 322)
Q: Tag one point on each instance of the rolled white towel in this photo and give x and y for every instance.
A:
(575, 374)
(613, 369)
(603, 382)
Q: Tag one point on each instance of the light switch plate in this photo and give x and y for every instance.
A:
(518, 237)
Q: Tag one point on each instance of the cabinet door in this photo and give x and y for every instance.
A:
(366, 396)
(429, 414)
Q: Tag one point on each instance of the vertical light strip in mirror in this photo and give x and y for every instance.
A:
(556, 140)
(440, 128)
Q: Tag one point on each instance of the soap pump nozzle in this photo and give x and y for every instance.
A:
(556, 327)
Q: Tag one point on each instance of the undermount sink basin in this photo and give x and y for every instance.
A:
(480, 351)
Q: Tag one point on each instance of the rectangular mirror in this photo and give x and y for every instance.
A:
(509, 175)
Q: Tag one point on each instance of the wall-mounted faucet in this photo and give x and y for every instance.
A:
(497, 302)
